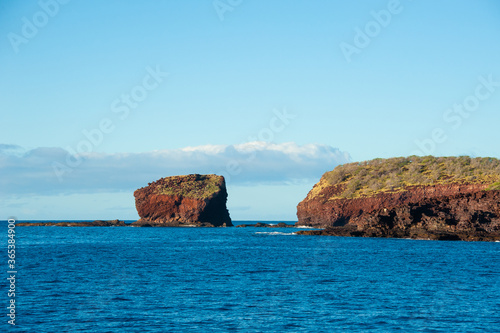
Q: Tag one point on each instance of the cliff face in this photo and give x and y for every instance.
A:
(454, 205)
(321, 211)
(198, 200)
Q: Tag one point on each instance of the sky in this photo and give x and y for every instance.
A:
(99, 98)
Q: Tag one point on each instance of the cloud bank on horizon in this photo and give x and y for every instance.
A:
(51, 171)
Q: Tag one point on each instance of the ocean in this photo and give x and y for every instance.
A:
(116, 279)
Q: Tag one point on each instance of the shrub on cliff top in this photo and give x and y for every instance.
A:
(369, 178)
(190, 186)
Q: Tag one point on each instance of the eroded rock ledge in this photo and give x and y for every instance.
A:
(459, 200)
(470, 217)
(191, 200)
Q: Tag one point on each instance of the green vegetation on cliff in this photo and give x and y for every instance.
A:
(369, 178)
(190, 186)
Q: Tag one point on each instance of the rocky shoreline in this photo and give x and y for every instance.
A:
(140, 223)
(96, 223)
(437, 198)
(471, 216)
(412, 233)
(266, 225)
(461, 202)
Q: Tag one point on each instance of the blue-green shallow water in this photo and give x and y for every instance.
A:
(99, 279)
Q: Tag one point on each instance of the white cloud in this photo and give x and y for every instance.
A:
(32, 171)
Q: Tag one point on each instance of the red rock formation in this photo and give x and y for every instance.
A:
(466, 212)
(456, 198)
(473, 216)
(321, 211)
(198, 200)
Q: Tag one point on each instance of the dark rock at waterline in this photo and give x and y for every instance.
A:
(466, 216)
(415, 197)
(413, 233)
(266, 225)
(96, 223)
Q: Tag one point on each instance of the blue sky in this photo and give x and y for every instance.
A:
(141, 90)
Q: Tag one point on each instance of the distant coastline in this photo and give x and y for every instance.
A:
(129, 223)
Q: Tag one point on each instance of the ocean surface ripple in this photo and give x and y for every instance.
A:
(100, 279)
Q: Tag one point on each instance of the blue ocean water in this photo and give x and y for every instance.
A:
(115, 279)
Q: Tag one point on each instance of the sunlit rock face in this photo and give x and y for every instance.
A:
(191, 200)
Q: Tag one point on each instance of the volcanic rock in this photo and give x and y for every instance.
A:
(96, 223)
(415, 197)
(192, 200)
(266, 225)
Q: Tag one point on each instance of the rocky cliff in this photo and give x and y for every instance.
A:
(418, 197)
(192, 200)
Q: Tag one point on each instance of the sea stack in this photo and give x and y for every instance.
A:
(191, 200)
(448, 198)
